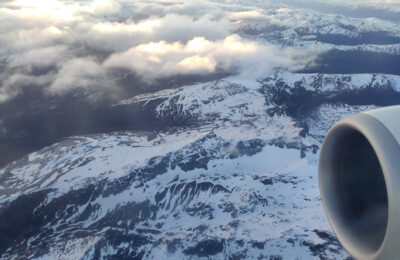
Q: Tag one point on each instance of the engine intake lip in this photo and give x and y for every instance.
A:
(358, 239)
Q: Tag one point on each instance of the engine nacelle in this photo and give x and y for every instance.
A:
(359, 180)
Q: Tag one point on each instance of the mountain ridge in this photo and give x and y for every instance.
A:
(238, 179)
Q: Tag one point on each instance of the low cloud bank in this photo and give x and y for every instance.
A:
(59, 47)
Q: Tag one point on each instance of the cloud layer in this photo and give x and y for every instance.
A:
(59, 47)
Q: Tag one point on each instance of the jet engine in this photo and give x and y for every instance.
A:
(359, 181)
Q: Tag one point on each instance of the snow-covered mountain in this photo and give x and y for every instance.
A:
(303, 27)
(236, 178)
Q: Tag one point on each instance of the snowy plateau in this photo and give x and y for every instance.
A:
(235, 179)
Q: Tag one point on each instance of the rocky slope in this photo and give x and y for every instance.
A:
(237, 179)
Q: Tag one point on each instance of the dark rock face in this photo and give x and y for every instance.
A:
(320, 249)
(18, 219)
(305, 95)
(205, 248)
(238, 181)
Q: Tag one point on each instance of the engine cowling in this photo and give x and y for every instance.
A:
(359, 180)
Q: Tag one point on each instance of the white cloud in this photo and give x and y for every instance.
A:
(41, 57)
(197, 64)
(257, 13)
(80, 73)
(199, 55)
(61, 46)
(12, 84)
(104, 7)
(117, 36)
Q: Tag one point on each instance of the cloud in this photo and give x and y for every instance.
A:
(63, 46)
(258, 13)
(78, 73)
(12, 85)
(104, 7)
(117, 36)
(40, 57)
(200, 55)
